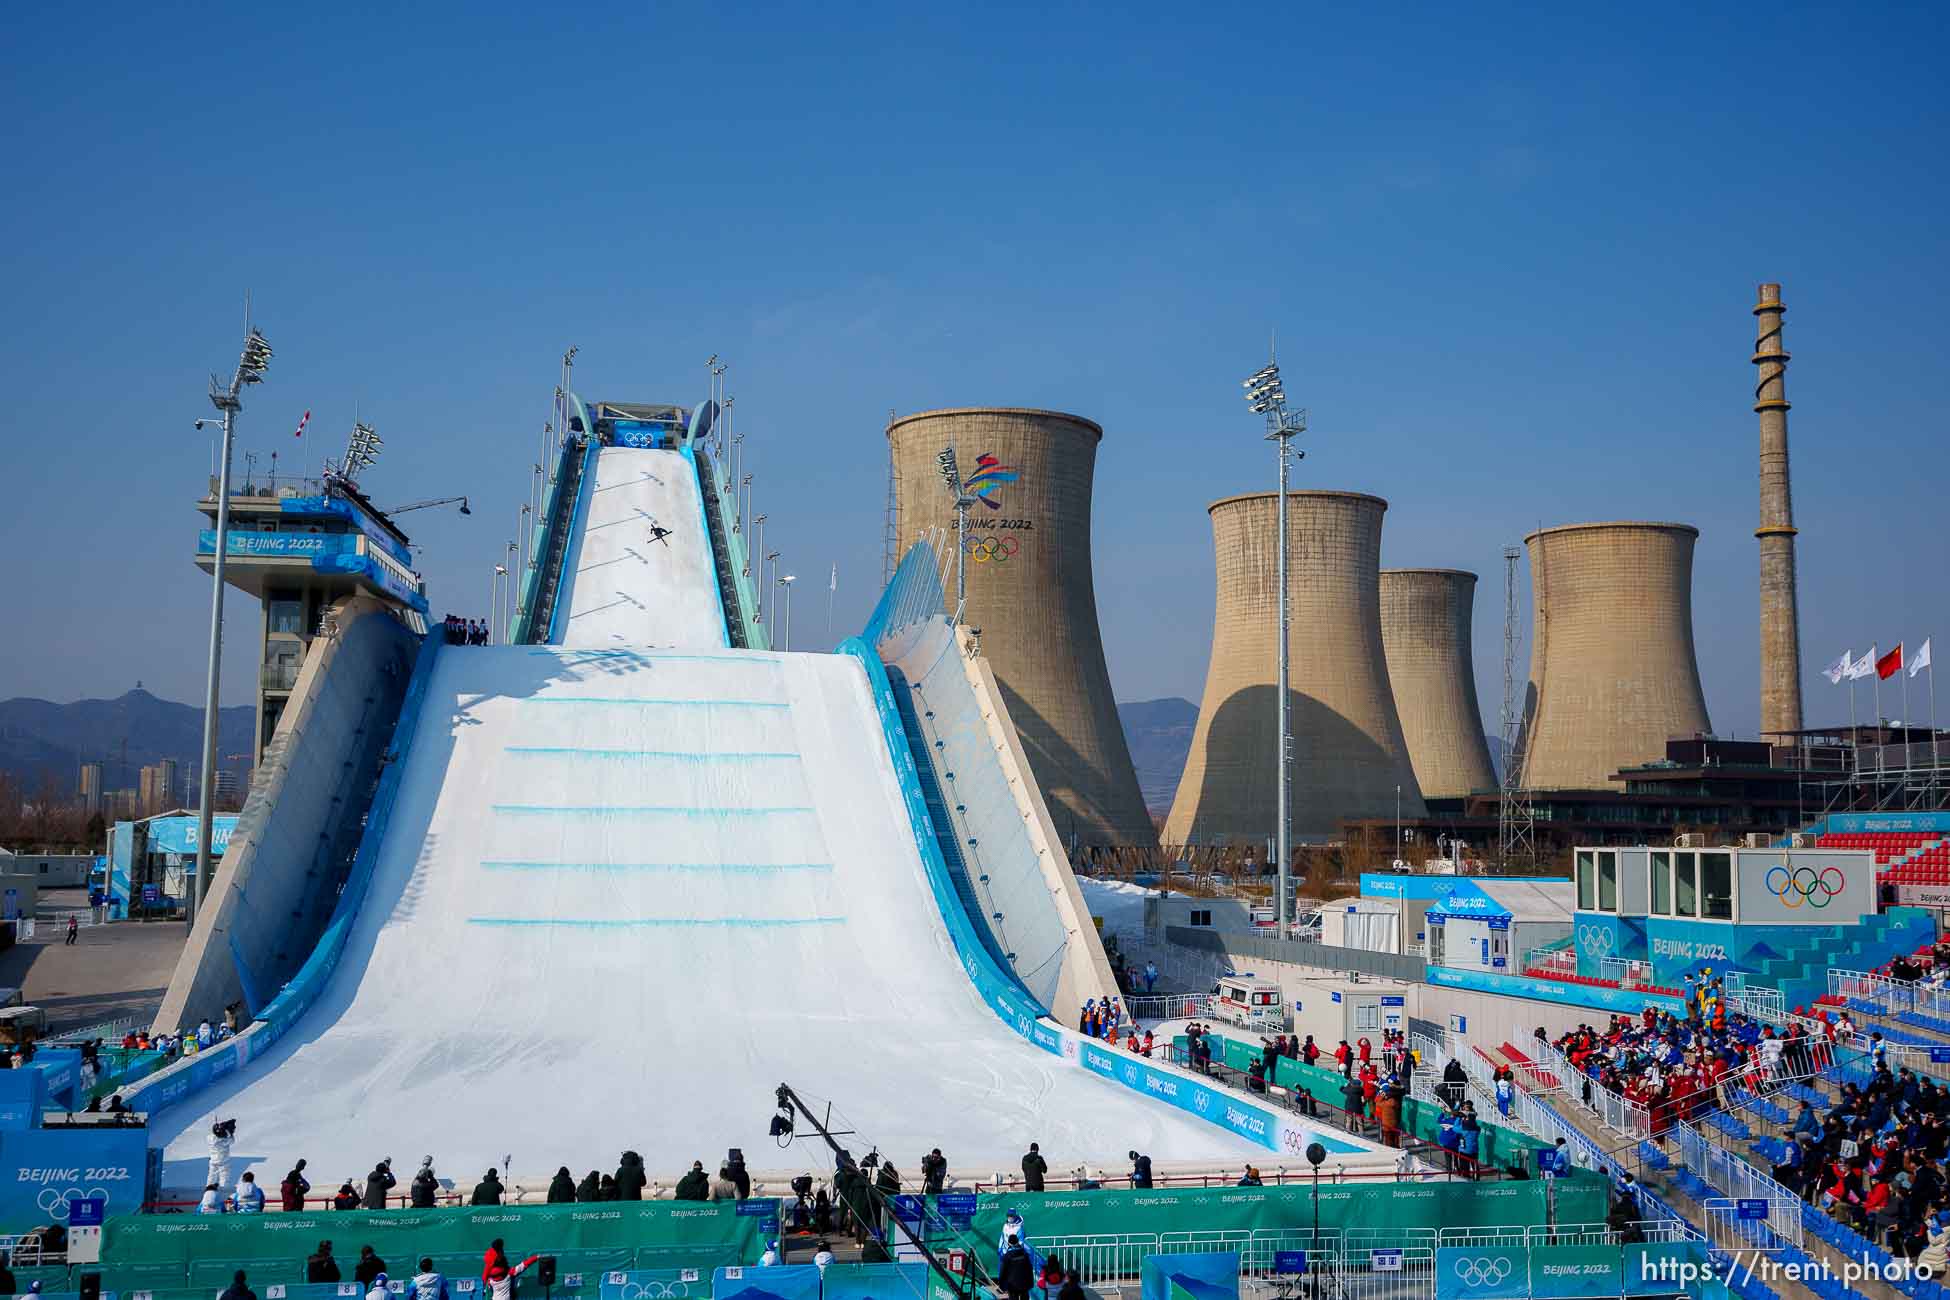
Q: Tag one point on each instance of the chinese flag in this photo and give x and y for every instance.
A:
(1890, 664)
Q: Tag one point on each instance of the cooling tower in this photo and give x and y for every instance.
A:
(1612, 672)
(1425, 632)
(1348, 753)
(1030, 592)
(1780, 619)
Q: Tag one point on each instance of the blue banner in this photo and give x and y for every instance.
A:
(875, 1282)
(1866, 823)
(657, 1284)
(1210, 1104)
(1624, 1001)
(785, 1282)
(42, 1170)
(1206, 1276)
(1482, 1273)
(1576, 1272)
(178, 834)
(305, 546)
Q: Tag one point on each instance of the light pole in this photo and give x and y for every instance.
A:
(771, 558)
(251, 364)
(1398, 825)
(508, 596)
(758, 539)
(494, 600)
(1266, 397)
(951, 476)
(744, 500)
(785, 640)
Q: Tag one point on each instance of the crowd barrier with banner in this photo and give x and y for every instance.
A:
(781, 1282)
(690, 1233)
(1507, 1204)
(1573, 1272)
(1204, 1275)
(1499, 1146)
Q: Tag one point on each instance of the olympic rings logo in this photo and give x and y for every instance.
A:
(1596, 939)
(1804, 885)
(984, 549)
(650, 1290)
(1482, 1270)
(54, 1201)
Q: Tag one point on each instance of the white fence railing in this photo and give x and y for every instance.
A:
(1152, 1007)
(1621, 1115)
(1880, 995)
(1736, 1180)
(1551, 961)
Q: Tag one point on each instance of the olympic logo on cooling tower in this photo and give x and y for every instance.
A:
(1804, 885)
(1482, 1270)
(999, 549)
(1596, 939)
(54, 1200)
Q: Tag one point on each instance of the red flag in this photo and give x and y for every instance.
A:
(1890, 664)
(301, 425)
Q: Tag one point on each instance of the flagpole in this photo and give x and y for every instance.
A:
(832, 587)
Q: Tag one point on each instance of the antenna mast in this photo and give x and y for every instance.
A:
(1516, 825)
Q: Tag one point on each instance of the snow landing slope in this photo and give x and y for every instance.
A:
(624, 894)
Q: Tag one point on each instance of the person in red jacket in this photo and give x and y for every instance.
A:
(497, 1275)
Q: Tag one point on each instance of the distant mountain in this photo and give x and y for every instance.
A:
(41, 740)
(1159, 733)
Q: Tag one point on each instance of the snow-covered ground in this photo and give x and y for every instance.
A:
(1120, 904)
(623, 895)
(640, 573)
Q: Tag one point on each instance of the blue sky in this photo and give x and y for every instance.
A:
(1510, 254)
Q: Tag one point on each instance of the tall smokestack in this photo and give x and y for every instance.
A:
(1780, 617)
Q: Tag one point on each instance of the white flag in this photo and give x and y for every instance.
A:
(1863, 667)
(1921, 661)
(1839, 670)
(834, 585)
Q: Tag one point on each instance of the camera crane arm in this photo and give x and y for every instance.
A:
(790, 1101)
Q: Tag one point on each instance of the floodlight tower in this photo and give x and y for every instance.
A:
(251, 365)
(951, 476)
(1265, 396)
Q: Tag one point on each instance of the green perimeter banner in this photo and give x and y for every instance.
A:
(1576, 1272)
(685, 1226)
(1512, 1203)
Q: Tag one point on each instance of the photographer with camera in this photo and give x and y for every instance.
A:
(379, 1182)
(222, 1135)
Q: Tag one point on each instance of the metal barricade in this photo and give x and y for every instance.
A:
(1101, 1260)
(1736, 1180)
(1168, 1006)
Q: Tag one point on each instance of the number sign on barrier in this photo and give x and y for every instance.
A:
(1385, 1261)
(1289, 1261)
(1751, 1208)
(1940, 1056)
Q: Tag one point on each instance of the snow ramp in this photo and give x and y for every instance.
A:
(621, 895)
(639, 572)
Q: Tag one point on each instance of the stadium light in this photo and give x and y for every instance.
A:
(252, 362)
(1265, 395)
